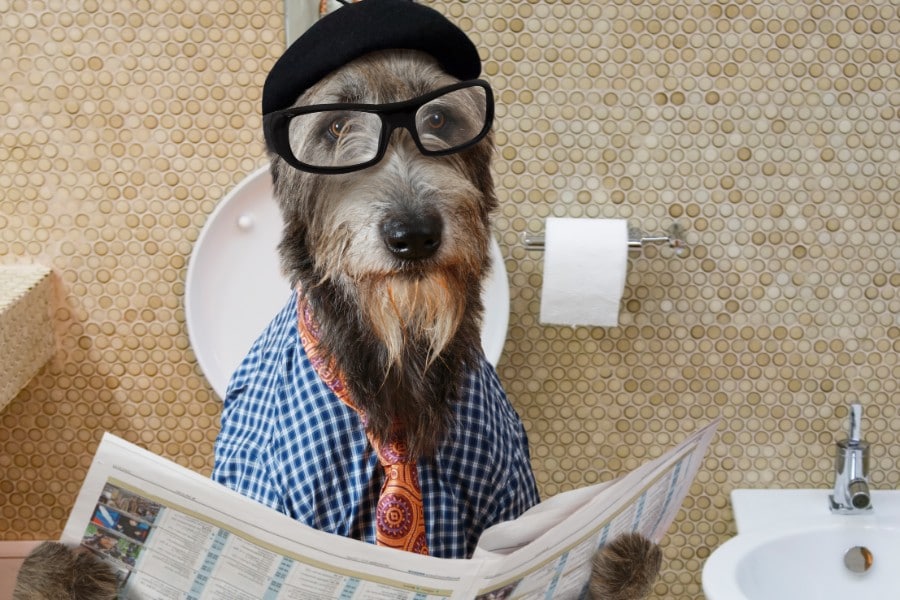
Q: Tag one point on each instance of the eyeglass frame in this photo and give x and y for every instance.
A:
(393, 115)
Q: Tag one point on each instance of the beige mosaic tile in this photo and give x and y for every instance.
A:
(767, 128)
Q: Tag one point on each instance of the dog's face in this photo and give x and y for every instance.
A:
(406, 237)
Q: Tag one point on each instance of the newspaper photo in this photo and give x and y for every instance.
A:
(171, 533)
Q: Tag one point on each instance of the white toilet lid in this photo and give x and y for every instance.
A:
(234, 285)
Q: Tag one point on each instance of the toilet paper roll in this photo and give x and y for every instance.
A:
(585, 263)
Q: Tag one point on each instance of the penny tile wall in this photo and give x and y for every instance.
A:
(767, 128)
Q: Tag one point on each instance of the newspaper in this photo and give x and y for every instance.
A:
(171, 533)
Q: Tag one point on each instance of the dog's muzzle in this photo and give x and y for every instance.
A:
(412, 237)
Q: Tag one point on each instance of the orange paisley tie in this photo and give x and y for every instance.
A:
(399, 516)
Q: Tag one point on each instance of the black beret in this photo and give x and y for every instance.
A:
(362, 27)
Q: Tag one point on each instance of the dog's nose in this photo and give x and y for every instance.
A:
(412, 237)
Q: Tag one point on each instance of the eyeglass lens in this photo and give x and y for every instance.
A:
(346, 138)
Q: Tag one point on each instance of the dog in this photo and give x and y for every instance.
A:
(381, 161)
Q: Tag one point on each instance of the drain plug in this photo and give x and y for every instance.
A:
(858, 559)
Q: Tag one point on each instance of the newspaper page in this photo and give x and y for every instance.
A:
(548, 549)
(171, 533)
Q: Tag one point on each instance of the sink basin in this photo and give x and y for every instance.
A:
(790, 546)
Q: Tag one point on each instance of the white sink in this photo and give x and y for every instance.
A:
(790, 546)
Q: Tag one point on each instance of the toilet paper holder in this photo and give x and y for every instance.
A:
(637, 239)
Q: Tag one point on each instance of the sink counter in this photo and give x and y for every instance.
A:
(760, 510)
(790, 546)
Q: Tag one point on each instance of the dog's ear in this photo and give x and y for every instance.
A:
(625, 569)
(54, 571)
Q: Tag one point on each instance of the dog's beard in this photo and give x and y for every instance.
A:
(413, 314)
(425, 331)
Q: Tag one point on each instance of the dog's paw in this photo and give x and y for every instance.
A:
(625, 568)
(54, 571)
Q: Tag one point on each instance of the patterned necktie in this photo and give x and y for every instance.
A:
(399, 516)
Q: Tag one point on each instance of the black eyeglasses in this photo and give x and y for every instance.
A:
(339, 138)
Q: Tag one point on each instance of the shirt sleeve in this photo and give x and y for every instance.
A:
(517, 490)
(245, 459)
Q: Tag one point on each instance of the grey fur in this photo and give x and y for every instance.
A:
(54, 571)
(625, 569)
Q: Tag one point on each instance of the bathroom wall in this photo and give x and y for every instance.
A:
(768, 129)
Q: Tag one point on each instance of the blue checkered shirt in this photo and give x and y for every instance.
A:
(288, 442)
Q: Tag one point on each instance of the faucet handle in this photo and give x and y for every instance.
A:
(855, 424)
(851, 487)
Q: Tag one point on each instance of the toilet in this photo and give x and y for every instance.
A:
(234, 286)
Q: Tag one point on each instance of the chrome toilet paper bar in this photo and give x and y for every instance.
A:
(674, 238)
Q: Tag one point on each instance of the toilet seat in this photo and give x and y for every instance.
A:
(234, 286)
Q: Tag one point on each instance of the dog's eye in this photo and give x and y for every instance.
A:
(436, 121)
(338, 127)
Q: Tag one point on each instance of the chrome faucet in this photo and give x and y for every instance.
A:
(851, 486)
